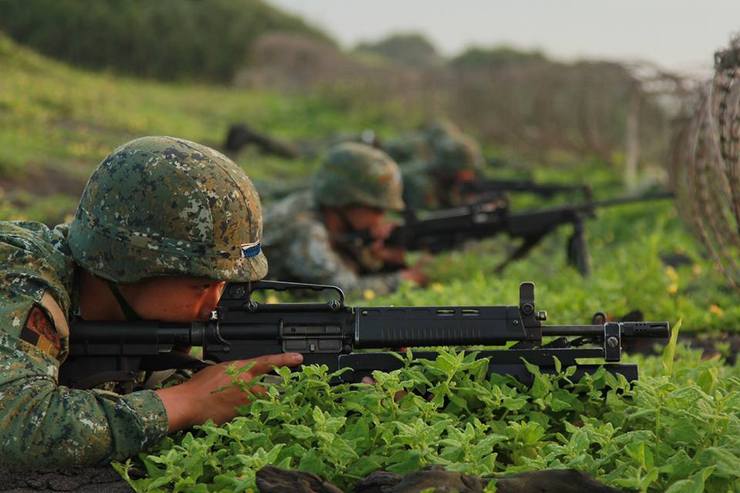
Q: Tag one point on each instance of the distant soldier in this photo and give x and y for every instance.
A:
(437, 163)
(309, 232)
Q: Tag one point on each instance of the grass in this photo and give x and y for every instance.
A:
(55, 117)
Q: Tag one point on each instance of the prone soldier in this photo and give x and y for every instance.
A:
(162, 224)
(307, 232)
(437, 165)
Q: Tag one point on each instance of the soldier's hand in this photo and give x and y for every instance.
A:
(382, 230)
(415, 275)
(210, 394)
(391, 256)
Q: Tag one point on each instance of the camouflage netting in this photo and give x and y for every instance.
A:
(705, 166)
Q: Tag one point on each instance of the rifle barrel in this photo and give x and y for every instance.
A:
(633, 199)
(652, 330)
(498, 185)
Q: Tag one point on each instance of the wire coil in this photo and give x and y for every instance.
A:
(705, 170)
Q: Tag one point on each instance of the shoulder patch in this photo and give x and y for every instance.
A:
(39, 331)
(57, 314)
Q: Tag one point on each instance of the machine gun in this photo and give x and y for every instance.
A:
(241, 135)
(447, 229)
(331, 333)
(485, 186)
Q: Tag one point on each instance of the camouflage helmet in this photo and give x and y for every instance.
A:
(409, 148)
(440, 128)
(452, 150)
(357, 174)
(160, 206)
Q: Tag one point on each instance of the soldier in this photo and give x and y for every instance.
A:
(309, 232)
(436, 165)
(162, 224)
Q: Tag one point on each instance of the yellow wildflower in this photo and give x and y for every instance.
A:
(368, 294)
(437, 287)
(716, 310)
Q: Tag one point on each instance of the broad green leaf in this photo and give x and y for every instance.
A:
(541, 385)
(558, 365)
(404, 462)
(301, 432)
(669, 353)
(695, 484)
(312, 462)
(708, 379)
(727, 463)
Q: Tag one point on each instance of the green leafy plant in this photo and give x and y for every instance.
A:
(662, 433)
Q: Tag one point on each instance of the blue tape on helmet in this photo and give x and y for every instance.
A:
(250, 250)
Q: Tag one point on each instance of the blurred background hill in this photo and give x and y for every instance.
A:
(166, 39)
(516, 101)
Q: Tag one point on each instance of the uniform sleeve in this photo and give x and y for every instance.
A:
(311, 256)
(418, 188)
(47, 425)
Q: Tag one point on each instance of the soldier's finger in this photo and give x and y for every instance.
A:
(258, 389)
(400, 395)
(264, 364)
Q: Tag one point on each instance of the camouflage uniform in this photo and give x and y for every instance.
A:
(429, 161)
(298, 242)
(409, 148)
(299, 248)
(420, 190)
(156, 206)
(44, 424)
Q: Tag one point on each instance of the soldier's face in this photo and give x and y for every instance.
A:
(465, 176)
(364, 218)
(174, 299)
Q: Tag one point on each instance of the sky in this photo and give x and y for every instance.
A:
(680, 35)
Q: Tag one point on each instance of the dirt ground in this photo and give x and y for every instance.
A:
(77, 480)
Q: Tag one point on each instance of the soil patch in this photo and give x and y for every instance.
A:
(76, 480)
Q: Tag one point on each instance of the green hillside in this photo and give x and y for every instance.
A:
(166, 39)
(57, 123)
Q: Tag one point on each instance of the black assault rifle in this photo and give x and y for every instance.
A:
(330, 333)
(486, 186)
(447, 229)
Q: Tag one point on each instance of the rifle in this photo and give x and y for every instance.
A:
(331, 333)
(484, 186)
(446, 229)
(241, 135)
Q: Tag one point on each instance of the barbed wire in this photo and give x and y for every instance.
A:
(705, 169)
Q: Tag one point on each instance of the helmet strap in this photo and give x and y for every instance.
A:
(346, 223)
(127, 310)
(363, 235)
(352, 245)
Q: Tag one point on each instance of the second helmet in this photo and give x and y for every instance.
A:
(357, 174)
